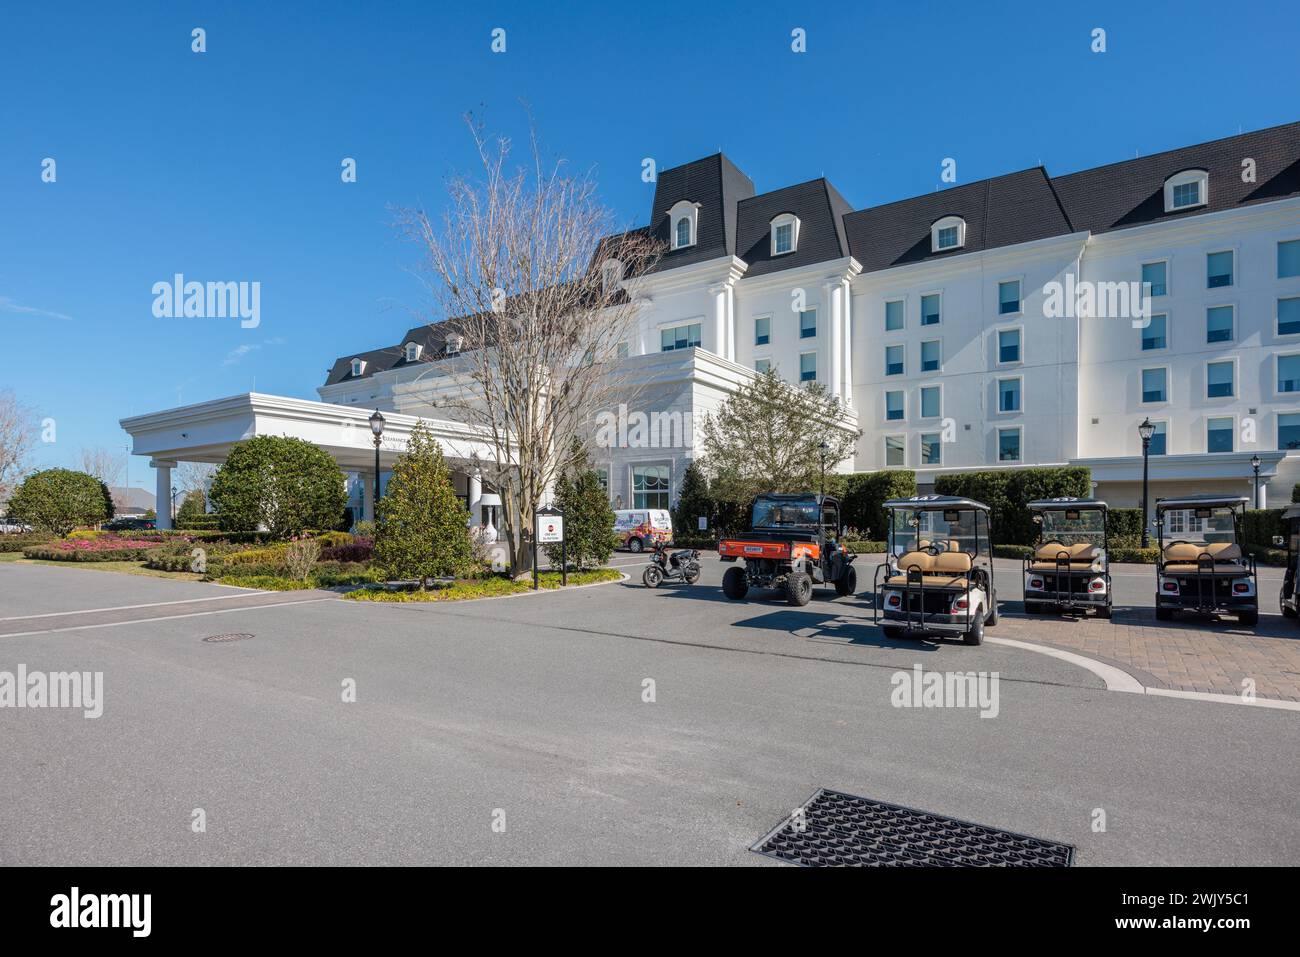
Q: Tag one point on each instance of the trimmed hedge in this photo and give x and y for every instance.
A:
(50, 553)
(866, 547)
(864, 493)
(1260, 525)
(1008, 491)
(20, 541)
(1124, 522)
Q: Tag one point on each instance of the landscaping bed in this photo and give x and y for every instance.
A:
(491, 586)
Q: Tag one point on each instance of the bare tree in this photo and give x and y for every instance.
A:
(541, 290)
(194, 476)
(105, 464)
(17, 435)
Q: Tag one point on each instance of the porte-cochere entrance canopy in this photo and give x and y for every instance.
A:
(205, 432)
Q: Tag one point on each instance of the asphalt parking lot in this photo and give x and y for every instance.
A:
(532, 710)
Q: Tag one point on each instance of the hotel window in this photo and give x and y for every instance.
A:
(895, 410)
(1154, 387)
(785, 234)
(948, 233)
(1155, 335)
(931, 356)
(1008, 297)
(894, 315)
(412, 351)
(1008, 345)
(683, 237)
(762, 366)
(1158, 439)
(1288, 373)
(1153, 278)
(1218, 324)
(895, 451)
(1288, 259)
(1008, 395)
(623, 350)
(762, 330)
(894, 364)
(1008, 445)
(930, 310)
(807, 367)
(684, 216)
(681, 337)
(1187, 189)
(1288, 431)
(1218, 434)
(1218, 269)
(1187, 194)
(808, 324)
(1219, 380)
(931, 402)
(1288, 317)
(602, 479)
(650, 486)
(931, 448)
(358, 365)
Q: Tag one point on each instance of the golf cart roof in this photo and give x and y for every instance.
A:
(1051, 504)
(794, 497)
(1200, 501)
(1290, 512)
(923, 503)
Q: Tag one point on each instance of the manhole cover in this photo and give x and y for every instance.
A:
(840, 830)
(232, 636)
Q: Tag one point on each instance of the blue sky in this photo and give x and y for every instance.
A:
(225, 165)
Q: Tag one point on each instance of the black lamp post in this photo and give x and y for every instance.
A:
(1254, 464)
(823, 449)
(174, 498)
(1145, 430)
(377, 427)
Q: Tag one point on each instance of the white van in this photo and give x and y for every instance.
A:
(641, 528)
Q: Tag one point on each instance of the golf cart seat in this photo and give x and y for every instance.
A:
(945, 570)
(1185, 558)
(941, 544)
(1081, 557)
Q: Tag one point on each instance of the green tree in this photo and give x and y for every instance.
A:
(588, 516)
(283, 484)
(58, 500)
(193, 508)
(767, 438)
(693, 503)
(422, 529)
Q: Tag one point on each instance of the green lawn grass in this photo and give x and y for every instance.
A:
(124, 568)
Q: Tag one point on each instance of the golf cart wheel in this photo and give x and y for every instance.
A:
(798, 588)
(893, 632)
(692, 577)
(1249, 618)
(634, 544)
(1103, 611)
(1164, 614)
(1033, 608)
(734, 585)
(975, 634)
(652, 577)
(848, 583)
(992, 620)
(1287, 610)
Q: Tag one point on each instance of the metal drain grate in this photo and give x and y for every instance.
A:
(232, 636)
(842, 830)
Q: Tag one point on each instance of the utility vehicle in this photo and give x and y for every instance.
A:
(938, 573)
(1291, 541)
(1069, 569)
(793, 543)
(1202, 566)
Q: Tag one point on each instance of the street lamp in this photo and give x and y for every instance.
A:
(823, 449)
(1254, 464)
(1145, 431)
(377, 427)
(174, 502)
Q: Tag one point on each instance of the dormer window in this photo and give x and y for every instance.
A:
(684, 219)
(948, 233)
(358, 366)
(412, 351)
(1186, 190)
(785, 234)
(611, 274)
(454, 343)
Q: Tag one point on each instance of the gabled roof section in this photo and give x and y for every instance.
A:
(1131, 193)
(717, 184)
(1002, 211)
(820, 209)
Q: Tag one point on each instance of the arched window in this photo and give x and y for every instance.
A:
(948, 233)
(683, 232)
(1187, 189)
(611, 274)
(685, 220)
(412, 351)
(785, 234)
(358, 366)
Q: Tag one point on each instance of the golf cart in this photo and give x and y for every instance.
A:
(1291, 526)
(938, 576)
(1069, 569)
(793, 543)
(1202, 566)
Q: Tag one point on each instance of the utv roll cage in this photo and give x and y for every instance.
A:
(1070, 575)
(1204, 576)
(1291, 542)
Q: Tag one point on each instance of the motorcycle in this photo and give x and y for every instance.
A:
(683, 565)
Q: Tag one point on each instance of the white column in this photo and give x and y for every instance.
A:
(162, 507)
(833, 294)
(475, 489)
(731, 322)
(719, 294)
(847, 345)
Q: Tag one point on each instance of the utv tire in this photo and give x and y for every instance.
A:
(975, 634)
(1287, 611)
(1103, 611)
(634, 545)
(1164, 614)
(734, 585)
(893, 632)
(992, 620)
(652, 576)
(1249, 618)
(847, 583)
(798, 588)
(693, 577)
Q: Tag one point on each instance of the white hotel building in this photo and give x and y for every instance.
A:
(928, 318)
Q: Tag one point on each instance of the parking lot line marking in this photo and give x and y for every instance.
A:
(1227, 698)
(1116, 679)
(151, 604)
(145, 621)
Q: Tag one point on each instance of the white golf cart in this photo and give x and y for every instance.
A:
(1202, 566)
(1068, 570)
(938, 576)
(1291, 540)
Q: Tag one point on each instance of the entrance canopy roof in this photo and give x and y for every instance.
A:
(206, 431)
